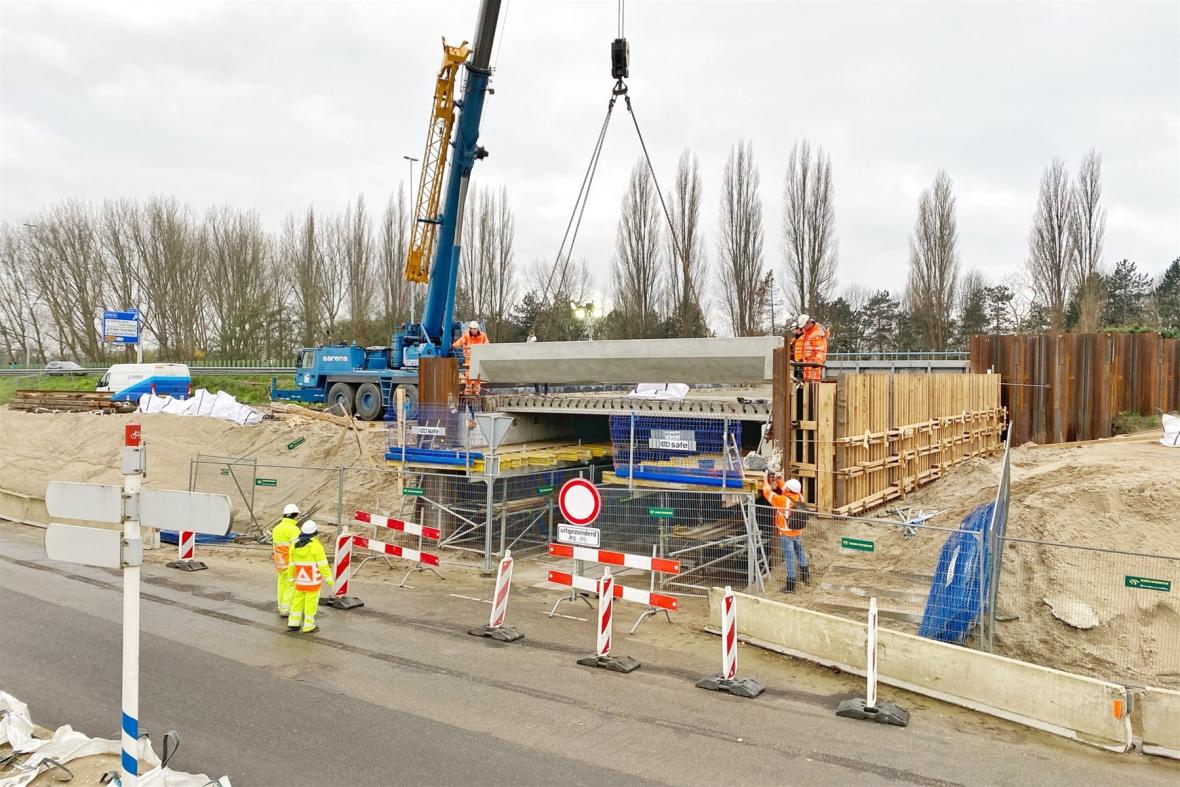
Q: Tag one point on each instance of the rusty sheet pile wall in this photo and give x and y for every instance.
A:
(1065, 387)
(867, 439)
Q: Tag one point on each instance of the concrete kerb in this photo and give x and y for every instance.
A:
(1073, 706)
(1156, 718)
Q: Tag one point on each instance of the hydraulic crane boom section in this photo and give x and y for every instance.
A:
(434, 161)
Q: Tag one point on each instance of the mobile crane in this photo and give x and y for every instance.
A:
(364, 380)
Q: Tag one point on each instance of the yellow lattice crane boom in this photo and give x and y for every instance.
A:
(434, 164)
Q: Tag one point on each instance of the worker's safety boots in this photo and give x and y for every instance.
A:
(804, 575)
(790, 586)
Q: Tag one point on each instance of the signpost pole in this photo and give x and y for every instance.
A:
(131, 534)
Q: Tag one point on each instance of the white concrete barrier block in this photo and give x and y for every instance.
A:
(1157, 715)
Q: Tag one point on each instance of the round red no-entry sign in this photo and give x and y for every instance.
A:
(579, 501)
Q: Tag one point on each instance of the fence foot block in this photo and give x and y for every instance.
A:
(341, 602)
(498, 633)
(622, 664)
(883, 713)
(738, 687)
(187, 565)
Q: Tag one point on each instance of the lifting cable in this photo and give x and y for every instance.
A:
(562, 260)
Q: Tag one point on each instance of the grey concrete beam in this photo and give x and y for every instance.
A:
(693, 361)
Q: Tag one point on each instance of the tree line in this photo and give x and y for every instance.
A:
(218, 285)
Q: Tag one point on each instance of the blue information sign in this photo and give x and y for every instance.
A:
(120, 327)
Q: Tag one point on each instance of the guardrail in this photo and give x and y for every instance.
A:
(100, 370)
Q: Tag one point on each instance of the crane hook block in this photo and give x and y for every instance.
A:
(620, 57)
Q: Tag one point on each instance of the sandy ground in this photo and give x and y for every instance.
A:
(1121, 494)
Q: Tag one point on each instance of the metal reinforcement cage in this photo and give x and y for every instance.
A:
(699, 450)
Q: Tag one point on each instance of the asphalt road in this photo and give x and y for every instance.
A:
(398, 693)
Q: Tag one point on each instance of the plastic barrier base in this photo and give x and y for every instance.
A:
(498, 633)
(187, 565)
(341, 602)
(738, 687)
(622, 664)
(883, 713)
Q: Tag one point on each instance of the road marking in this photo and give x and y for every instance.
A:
(470, 598)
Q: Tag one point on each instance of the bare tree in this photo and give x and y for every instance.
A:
(21, 307)
(686, 269)
(301, 259)
(332, 271)
(502, 283)
(66, 269)
(1087, 229)
(356, 243)
(744, 284)
(476, 261)
(637, 280)
(934, 262)
(1049, 245)
(809, 228)
(391, 257)
(243, 302)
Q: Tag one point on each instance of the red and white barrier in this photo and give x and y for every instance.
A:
(606, 600)
(186, 544)
(341, 566)
(376, 520)
(727, 680)
(869, 709)
(605, 587)
(634, 595)
(393, 550)
(495, 629)
(186, 550)
(503, 585)
(642, 562)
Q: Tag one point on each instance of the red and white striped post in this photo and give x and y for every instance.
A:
(341, 568)
(727, 680)
(495, 629)
(186, 550)
(869, 709)
(603, 626)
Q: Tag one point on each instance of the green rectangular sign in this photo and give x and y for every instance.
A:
(413, 491)
(224, 471)
(1145, 583)
(296, 443)
(859, 544)
(662, 513)
(266, 482)
(544, 490)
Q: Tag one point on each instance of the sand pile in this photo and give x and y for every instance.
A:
(39, 448)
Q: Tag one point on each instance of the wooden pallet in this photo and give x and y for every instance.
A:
(68, 402)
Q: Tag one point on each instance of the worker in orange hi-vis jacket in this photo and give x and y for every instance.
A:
(470, 338)
(810, 347)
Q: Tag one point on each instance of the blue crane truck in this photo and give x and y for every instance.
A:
(364, 380)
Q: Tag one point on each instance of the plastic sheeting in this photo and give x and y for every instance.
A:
(673, 391)
(219, 405)
(67, 744)
(1171, 430)
(953, 605)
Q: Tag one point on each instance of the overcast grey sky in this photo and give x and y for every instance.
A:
(272, 105)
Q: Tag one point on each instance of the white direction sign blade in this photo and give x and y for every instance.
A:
(88, 502)
(193, 512)
(90, 546)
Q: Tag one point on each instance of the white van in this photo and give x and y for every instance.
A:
(128, 381)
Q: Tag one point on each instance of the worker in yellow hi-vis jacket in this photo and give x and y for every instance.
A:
(281, 538)
(308, 571)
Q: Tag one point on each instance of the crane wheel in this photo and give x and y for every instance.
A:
(369, 406)
(340, 399)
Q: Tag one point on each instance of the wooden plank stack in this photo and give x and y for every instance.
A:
(68, 402)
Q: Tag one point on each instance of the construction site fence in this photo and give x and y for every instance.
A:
(1064, 387)
(1107, 613)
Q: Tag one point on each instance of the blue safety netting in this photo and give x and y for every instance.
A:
(953, 606)
(170, 537)
(702, 451)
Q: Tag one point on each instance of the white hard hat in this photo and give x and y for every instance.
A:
(474, 325)
(309, 528)
(290, 510)
(794, 485)
(803, 320)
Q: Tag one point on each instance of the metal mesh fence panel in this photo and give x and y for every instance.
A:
(700, 451)
(258, 492)
(1114, 615)
(927, 580)
(445, 434)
